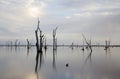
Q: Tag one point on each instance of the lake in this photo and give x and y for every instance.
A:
(63, 63)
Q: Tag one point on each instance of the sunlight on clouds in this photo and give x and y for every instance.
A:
(35, 10)
(89, 14)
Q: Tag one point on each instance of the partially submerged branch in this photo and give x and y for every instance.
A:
(88, 43)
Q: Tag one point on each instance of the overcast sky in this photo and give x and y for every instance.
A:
(96, 19)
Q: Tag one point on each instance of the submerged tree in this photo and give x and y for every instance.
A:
(88, 43)
(54, 39)
(89, 57)
(83, 46)
(28, 46)
(54, 48)
(39, 38)
(107, 45)
(39, 46)
(45, 46)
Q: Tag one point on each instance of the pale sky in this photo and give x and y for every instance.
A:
(96, 19)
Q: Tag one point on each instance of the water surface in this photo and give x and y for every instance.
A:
(63, 63)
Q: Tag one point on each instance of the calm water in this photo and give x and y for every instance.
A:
(65, 63)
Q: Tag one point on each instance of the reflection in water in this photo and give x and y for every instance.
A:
(107, 51)
(28, 51)
(108, 60)
(83, 55)
(89, 58)
(28, 46)
(11, 48)
(16, 48)
(54, 58)
(39, 57)
(88, 67)
(45, 48)
(102, 66)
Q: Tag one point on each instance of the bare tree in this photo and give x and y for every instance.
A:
(88, 43)
(54, 39)
(107, 44)
(39, 38)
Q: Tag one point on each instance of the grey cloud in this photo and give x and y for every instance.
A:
(104, 19)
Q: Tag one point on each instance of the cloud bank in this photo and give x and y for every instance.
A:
(98, 19)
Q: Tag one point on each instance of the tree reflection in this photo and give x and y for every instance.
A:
(38, 61)
(54, 59)
(88, 58)
(39, 57)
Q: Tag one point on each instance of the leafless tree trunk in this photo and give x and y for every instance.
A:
(54, 39)
(39, 38)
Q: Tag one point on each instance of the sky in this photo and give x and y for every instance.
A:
(98, 20)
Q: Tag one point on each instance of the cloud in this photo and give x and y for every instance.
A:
(97, 18)
(67, 17)
(17, 18)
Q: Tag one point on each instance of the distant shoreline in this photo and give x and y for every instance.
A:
(60, 45)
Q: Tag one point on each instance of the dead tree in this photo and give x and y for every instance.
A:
(54, 47)
(28, 44)
(72, 45)
(89, 57)
(39, 38)
(83, 46)
(11, 45)
(107, 44)
(45, 46)
(54, 39)
(88, 43)
(39, 46)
